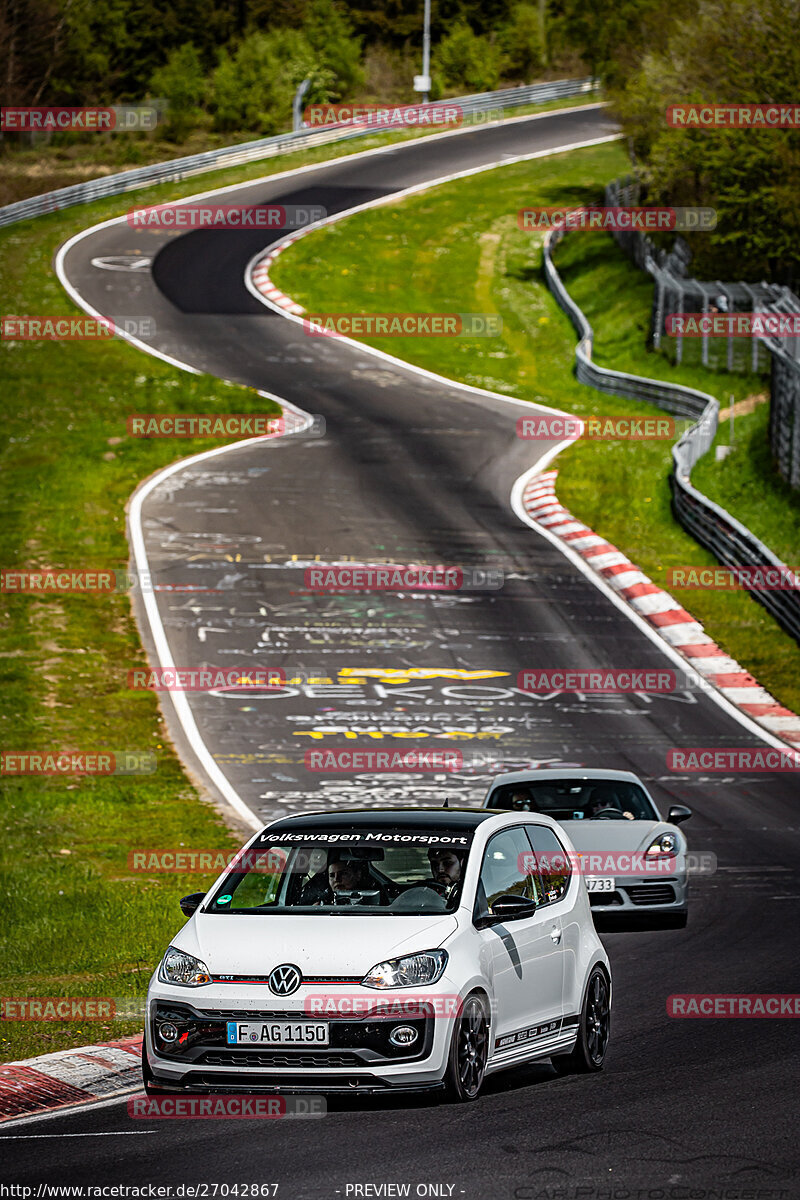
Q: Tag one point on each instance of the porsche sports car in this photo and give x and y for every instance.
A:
(364, 951)
(631, 859)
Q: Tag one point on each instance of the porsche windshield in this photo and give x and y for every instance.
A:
(405, 872)
(576, 799)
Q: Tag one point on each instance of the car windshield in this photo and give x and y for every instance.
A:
(577, 799)
(354, 872)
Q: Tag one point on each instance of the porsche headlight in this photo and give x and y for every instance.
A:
(413, 970)
(179, 967)
(665, 843)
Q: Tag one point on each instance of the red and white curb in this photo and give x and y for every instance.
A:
(70, 1077)
(662, 611)
(262, 281)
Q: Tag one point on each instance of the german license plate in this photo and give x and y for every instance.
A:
(278, 1033)
(594, 883)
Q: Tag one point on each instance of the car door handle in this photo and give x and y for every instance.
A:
(555, 934)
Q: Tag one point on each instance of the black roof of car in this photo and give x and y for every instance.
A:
(387, 818)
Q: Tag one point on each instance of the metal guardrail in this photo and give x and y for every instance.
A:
(231, 156)
(713, 527)
(675, 291)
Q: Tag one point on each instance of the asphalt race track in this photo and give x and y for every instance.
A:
(413, 470)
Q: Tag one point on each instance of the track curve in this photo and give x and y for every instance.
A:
(412, 469)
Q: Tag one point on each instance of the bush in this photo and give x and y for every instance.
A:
(522, 43)
(245, 87)
(467, 62)
(254, 86)
(182, 83)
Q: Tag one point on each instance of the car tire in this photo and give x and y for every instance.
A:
(469, 1051)
(594, 1029)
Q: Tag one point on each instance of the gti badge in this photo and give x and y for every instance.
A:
(285, 979)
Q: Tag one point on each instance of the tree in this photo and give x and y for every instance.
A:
(336, 50)
(522, 42)
(742, 50)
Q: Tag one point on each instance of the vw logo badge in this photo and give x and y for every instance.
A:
(285, 979)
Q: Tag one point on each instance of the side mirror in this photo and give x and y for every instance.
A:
(678, 813)
(190, 904)
(508, 908)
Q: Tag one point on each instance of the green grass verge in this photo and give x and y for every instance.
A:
(457, 248)
(76, 920)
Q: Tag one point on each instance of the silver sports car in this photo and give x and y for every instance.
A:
(631, 859)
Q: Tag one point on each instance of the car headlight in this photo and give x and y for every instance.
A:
(179, 967)
(413, 970)
(665, 843)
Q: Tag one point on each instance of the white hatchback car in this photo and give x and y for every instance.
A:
(403, 949)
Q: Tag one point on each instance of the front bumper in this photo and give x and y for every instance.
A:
(669, 894)
(359, 1058)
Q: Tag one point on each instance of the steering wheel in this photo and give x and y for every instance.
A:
(608, 814)
(430, 883)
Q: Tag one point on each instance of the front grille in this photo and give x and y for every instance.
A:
(651, 893)
(286, 1058)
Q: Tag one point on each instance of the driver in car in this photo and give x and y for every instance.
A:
(445, 868)
(606, 800)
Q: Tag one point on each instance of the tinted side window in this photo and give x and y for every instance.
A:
(509, 868)
(555, 869)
